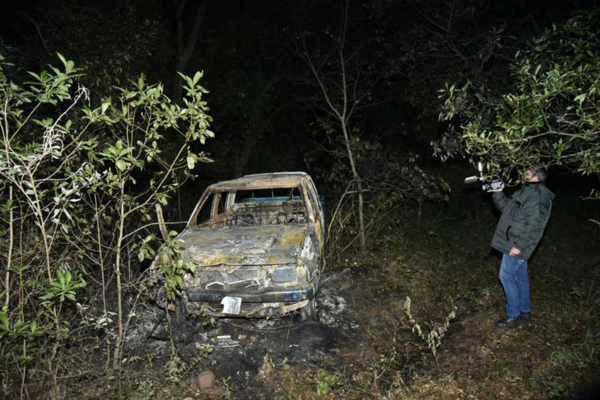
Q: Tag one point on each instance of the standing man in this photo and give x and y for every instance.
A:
(520, 229)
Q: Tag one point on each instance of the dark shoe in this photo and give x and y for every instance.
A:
(525, 316)
(509, 322)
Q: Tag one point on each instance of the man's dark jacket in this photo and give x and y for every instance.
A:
(524, 217)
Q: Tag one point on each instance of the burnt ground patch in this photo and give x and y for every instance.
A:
(236, 349)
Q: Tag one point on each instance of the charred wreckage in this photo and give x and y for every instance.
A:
(257, 246)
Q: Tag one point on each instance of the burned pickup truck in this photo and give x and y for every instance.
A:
(257, 244)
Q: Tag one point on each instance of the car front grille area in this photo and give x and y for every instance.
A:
(242, 279)
(245, 279)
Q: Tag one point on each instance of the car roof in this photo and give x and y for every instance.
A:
(262, 181)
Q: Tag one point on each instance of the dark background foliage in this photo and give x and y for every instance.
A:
(261, 97)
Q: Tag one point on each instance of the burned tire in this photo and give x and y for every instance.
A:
(177, 309)
(309, 313)
(180, 314)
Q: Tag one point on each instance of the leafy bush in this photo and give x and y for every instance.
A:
(78, 184)
(549, 116)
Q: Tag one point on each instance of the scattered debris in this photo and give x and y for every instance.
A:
(204, 380)
(266, 370)
(226, 341)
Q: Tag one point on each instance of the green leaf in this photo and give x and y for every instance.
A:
(61, 278)
(191, 161)
(62, 59)
(4, 322)
(122, 165)
(581, 98)
(197, 77)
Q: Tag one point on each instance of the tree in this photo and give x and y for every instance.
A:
(79, 181)
(551, 115)
(248, 59)
(344, 81)
(114, 41)
(185, 40)
(427, 42)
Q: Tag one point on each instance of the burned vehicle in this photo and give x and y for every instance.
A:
(257, 244)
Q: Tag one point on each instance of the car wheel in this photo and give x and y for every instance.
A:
(309, 313)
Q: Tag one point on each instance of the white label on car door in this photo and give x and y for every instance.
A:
(231, 305)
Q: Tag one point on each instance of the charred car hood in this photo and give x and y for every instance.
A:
(255, 245)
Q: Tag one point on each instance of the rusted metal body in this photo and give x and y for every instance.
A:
(257, 242)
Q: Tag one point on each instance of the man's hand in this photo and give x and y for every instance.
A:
(514, 252)
(496, 186)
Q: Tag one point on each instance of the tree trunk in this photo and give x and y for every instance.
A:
(358, 183)
(185, 45)
(11, 233)
(342, 110)
(120, 334)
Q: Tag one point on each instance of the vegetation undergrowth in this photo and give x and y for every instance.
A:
(79, 180)
(445, 266)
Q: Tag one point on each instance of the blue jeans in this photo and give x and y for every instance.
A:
(514, 278)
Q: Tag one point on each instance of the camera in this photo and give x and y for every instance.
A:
(490, 183)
